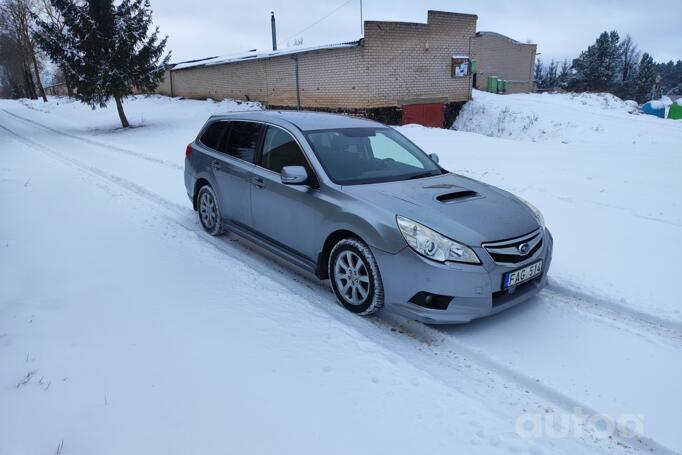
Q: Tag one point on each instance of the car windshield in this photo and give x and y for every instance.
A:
(353, 156)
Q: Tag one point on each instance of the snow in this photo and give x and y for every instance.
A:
(255, 54)
(123, 328)
(568, 117)
(484, 33)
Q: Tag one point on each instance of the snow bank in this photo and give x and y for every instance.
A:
(559, 117)
(140, 110)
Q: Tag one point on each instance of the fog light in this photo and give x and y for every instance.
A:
(432, 301)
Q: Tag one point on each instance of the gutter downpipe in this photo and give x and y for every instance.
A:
(298, 87)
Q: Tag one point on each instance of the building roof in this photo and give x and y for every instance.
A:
(257, 55)
(303, 120)
(500, 35)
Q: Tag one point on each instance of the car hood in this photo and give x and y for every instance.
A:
(463, 209)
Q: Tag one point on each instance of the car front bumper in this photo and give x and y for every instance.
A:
(476, 290)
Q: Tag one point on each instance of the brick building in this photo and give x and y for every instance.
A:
(398, 72)
(506, 58)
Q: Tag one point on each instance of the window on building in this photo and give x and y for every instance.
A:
(242, 140)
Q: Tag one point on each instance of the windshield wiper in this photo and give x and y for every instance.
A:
(421, 176)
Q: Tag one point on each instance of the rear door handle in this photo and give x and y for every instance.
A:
(216, 165)
(259, 182)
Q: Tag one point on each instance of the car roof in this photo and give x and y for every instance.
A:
(303, 120)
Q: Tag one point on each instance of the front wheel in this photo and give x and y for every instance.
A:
(209, 213)
(355, 277)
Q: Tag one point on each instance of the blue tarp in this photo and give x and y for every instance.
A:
(657, 109)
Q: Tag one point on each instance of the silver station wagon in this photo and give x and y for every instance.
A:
(353, 201)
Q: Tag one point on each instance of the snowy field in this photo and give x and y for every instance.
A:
(125, 329)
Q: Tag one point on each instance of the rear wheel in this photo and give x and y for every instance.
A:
(355, 277)
(209, 213)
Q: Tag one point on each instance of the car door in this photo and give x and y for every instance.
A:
(289, 215)
(234, 171)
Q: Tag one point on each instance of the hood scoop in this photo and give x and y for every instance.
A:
(456, 196)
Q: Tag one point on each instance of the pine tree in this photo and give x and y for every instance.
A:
(551, 78)
(105, 50)
(646, 77)
(564, 74)
(596, 68)
(671, 77)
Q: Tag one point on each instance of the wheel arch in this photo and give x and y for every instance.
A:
(332, 239)
(197, 185)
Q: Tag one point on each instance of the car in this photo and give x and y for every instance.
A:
(354, 201)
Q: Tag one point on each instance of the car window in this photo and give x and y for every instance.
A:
(280, 149)
(242, 140)
(211, 136)
(352, 156)
(385, 147)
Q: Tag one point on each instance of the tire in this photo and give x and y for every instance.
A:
(355, 278)
(209, 211)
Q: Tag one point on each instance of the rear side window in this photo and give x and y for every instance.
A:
(242, 140)
(211, 136)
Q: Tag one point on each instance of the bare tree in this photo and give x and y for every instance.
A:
(631, 56)
(17, 19)
(54, 16)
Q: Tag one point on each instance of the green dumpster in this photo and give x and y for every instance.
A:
(492, 84)
(501, 86)
(675, 111)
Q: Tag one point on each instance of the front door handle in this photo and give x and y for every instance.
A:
(216, 165)
(259, 182)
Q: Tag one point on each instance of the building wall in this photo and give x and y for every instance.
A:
(498, 55)
(56, 90)
(409, 62)
(395, 63)
(164, 88)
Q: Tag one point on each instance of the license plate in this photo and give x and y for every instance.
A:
(522, 275)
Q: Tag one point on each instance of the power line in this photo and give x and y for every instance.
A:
(319, 20)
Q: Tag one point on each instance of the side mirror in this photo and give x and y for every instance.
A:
(294, 175)
(434, 157)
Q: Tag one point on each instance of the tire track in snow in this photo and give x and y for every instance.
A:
(98, 143)
(446, 347)
(609, 309)
(593, 305)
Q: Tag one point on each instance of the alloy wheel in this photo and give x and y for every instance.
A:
(351, 277)
(208, 210)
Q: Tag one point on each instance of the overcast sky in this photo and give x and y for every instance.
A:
(201, 28)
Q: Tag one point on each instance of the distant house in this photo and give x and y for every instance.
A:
(399, 72)
(506, 58)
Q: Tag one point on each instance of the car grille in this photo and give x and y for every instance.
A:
(515, 250)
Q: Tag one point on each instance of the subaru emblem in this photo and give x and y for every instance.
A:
(523, 248)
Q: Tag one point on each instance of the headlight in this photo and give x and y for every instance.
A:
(432, 245)
(536, 212)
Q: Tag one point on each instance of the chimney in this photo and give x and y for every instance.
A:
(274, 30)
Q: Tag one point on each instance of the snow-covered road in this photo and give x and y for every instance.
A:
(206, 344)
